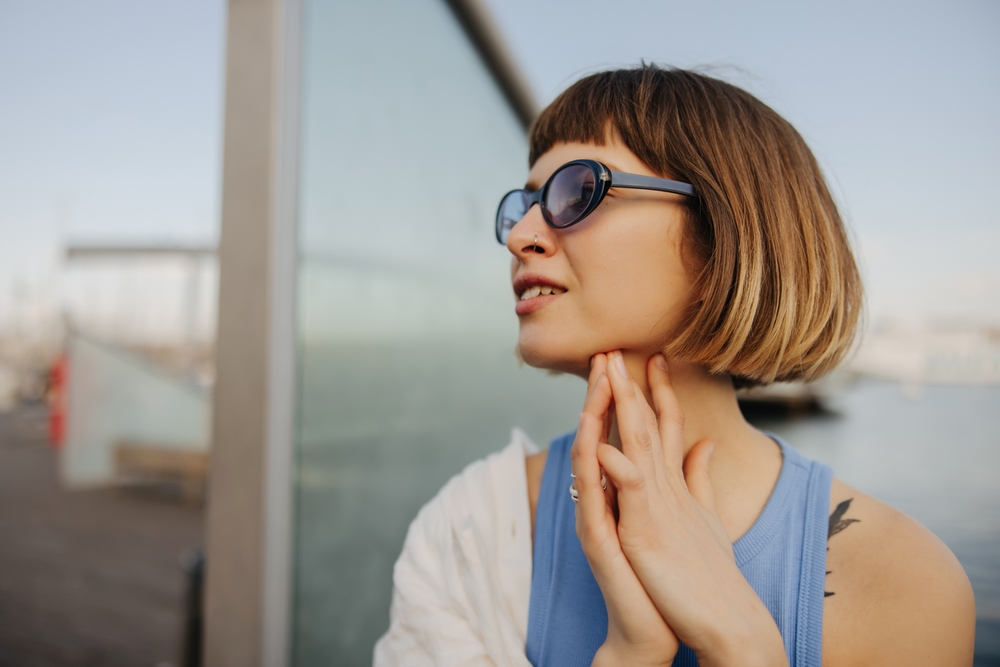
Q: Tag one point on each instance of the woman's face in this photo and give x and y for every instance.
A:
(626, 285)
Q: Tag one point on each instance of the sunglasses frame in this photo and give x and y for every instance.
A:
(604, 180)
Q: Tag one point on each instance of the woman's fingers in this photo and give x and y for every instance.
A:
(639, 437)
(696, 474)
(598, 365)
(592, 503)
(598, 400)
(592, 499)
(636, 630)
(669, 415)
(622, 472)
(598, 368)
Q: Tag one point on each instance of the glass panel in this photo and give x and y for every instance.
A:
(406, 322)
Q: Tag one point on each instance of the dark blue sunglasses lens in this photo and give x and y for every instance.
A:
(570, 194)
(513, 207)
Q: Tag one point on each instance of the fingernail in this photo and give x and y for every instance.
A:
(661, 362)
(620, 365)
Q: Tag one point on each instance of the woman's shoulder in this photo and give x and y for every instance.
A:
(895, 594)
(534, 469)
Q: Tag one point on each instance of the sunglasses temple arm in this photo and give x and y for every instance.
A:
(620, 179)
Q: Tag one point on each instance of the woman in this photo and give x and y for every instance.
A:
(675, 240)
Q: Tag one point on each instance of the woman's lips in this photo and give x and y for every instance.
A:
(534, 303)
(544, 289)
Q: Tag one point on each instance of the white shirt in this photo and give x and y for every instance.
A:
(461, 585)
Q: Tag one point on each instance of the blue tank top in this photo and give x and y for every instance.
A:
(782, 556)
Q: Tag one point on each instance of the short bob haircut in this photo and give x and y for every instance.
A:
(777, 290)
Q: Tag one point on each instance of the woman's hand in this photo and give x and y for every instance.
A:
(637, 633)
(667, 528)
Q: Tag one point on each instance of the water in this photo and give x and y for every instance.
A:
(934, 456)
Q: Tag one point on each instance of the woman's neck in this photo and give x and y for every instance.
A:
(707, 401)
(745, 464)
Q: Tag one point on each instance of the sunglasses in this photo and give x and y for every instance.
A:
(572, 193)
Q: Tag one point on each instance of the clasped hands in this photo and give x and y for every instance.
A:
(657, 549)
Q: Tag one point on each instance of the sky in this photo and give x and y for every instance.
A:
(111, 121)
(110, 131)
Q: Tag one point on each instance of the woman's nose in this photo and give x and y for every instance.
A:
(530, 236)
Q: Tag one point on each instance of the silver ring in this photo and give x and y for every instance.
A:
(575, 495)
(534, 244)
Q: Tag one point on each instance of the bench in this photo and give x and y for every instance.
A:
(149, 464)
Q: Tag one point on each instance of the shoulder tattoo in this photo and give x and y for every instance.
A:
(837, 524)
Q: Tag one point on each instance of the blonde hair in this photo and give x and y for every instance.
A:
(778, 294)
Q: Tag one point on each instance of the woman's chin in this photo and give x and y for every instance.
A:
(553, 360)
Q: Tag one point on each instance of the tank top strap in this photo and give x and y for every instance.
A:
(812, 576)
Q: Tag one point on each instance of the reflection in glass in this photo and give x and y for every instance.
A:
(406, 326)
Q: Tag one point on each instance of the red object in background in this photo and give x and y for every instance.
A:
(58, 387)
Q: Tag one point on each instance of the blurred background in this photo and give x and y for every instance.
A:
(157, 158)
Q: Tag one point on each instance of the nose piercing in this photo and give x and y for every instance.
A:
(534, 244)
